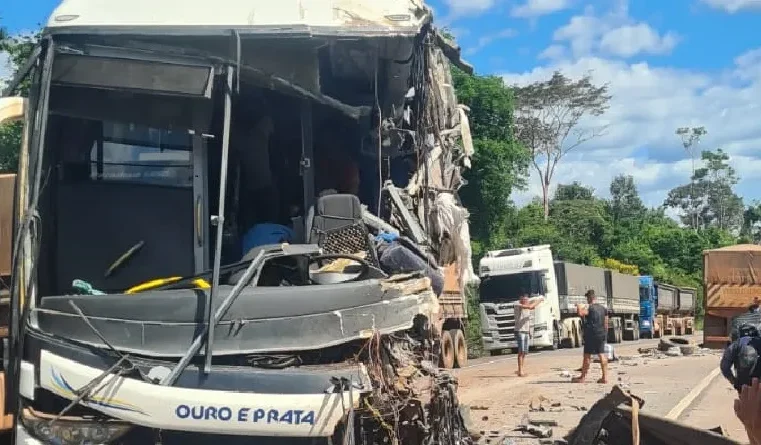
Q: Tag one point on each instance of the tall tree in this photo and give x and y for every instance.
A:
(690, 137)
(499, 164)
(626, 208)
(710, 199)
(547, 120)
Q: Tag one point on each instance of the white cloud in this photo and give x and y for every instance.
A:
(733, 6)
(613, 33)
(648, 104)
(488, 39)
(630, 40)
(536, 8)
(460, 8)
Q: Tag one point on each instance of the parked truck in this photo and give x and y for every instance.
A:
(205, 213)
(658, 304)
(507, 274)
(731, 282)
(685, 313)
(623, 303)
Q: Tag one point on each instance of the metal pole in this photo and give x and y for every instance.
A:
(220, 219)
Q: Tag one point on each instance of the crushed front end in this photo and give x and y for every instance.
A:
(322, 363)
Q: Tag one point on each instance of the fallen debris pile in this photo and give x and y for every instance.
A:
(616, 419)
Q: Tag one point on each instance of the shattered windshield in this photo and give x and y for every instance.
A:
(508, 288)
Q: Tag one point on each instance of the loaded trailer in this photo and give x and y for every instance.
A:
(731, 283)
(573, 281)
(685, 313)
(623, 303)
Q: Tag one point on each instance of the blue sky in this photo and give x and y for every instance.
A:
(667, 63)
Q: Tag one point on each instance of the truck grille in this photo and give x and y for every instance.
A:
(501, 323)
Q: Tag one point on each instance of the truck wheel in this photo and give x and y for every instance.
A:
(628, 334)
(460, 348)
(495, 352)
(555, 339)
(447, 350)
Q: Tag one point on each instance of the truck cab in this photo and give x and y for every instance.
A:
(506, 275)
(648, 303)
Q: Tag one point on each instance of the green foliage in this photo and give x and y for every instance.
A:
(19, 48)
(499, 163)
(709, 201)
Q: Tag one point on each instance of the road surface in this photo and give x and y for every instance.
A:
(499, 400)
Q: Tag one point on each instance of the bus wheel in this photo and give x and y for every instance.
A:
(447, 350)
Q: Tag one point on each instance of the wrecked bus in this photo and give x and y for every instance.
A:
(236, 220)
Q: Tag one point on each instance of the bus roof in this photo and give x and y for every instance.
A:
(203, 17)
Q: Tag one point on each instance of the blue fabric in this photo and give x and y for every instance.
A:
(387, 237)
(267, 233)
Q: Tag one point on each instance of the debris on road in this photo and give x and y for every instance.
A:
(536, 431)
(616, 418)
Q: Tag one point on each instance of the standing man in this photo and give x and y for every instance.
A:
(595, 334)
(523, 310)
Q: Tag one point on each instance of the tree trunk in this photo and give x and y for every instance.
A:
(546, 200)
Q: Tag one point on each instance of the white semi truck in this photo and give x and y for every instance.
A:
(507, 274)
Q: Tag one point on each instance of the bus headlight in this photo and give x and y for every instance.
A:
(72, 430)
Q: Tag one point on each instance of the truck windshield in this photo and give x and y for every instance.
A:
(508, 288)
(644, 293)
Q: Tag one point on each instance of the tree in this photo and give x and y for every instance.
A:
(751, 230)
(499, 163)
(626, 208)
(690, 138)
(566, 192)
(710, 199)
(19, 48)
(547, 120)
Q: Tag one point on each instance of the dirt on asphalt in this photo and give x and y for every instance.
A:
(500, 401)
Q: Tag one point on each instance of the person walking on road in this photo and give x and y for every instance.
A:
(523, 311)
(595, 333)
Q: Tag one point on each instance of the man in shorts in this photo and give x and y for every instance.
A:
(595, 333)
(523, 309)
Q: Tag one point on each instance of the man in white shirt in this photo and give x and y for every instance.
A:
(523, 312)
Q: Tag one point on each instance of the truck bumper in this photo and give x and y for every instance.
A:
(495, 343)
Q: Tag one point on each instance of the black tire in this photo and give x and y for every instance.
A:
(460, 348)
(495, 352)
(576, 337)
(447, 351)
(555, 339)
(628, 334)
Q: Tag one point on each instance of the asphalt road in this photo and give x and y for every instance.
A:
(627, 347)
